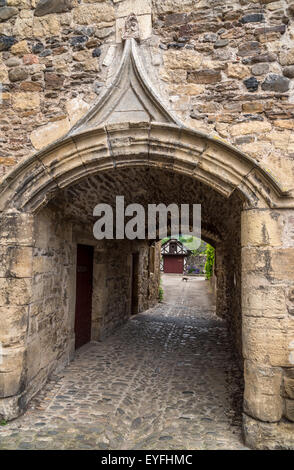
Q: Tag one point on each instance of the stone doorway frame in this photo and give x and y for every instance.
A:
(267, 254)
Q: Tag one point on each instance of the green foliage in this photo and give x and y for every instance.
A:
(201, 250)
(210, 254)
(3, 422)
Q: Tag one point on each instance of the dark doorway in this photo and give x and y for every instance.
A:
(135, 283)
(84, 295)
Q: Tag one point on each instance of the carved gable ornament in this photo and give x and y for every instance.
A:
(131, 96)
(131, 29)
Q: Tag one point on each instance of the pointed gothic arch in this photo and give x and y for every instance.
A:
(129, 127)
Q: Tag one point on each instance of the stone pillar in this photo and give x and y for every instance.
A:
(221, 291)
(16, 247)
(268, 326)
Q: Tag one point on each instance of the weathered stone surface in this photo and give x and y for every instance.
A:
(282, 263)
(20, 48)
(260, 58)
(250, 127)
(45, 135)
(248, 48)
(16, 262)
(140, 7)
(76, 109)
(7, 12)
(197, 58)
(131, 344)
(251, 84)
(190, 89)
(16, 229)
(13, 62)
(206, 76)
(13, 324)
(35, 27)
(30, 86)
(289, 71)
(6, 42)
(262, 398)
(30, 59)
(261, 228)
(289, 412)
(267, 436)
(252, 18)
(237, 71)
(289, 386)
(91, 14)
(256, 344)
(44, 7)
(185, 59)
(173, 6)
(287, 58)
(284, 123)
(3, 74)
(11, 369)
(221, 43)
(15, 291)
(17, 74)
(260, 69)
(53, 80)
(276, 83)
(26, 101)
(252, 107)
(96, 52)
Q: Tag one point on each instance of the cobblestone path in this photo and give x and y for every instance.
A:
(165, 380)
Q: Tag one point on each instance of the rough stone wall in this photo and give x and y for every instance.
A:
(50, 336)
(220, 226)
(38, 293)
(228, 66)
(227, 278)
(111, 305)
(268, 327)
(225, 67)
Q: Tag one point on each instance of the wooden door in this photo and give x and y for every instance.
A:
(174, 264)
(84, 287)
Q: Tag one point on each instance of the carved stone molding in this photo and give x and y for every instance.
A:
(131, 30)
(130, 97)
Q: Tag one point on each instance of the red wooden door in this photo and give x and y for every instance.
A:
(84, 295)
(173, 264)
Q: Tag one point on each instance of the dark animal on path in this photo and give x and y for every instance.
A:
(185, 279)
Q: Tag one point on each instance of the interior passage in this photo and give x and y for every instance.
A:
(165, 380)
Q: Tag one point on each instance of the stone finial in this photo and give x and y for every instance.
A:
(131, 29)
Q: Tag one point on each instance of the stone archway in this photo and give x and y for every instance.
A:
(130, 128)
(267, 267)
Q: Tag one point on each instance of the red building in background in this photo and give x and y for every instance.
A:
(174, 257)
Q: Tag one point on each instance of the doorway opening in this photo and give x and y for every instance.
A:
(84, 288)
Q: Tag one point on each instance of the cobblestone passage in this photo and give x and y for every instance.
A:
(165, 380)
